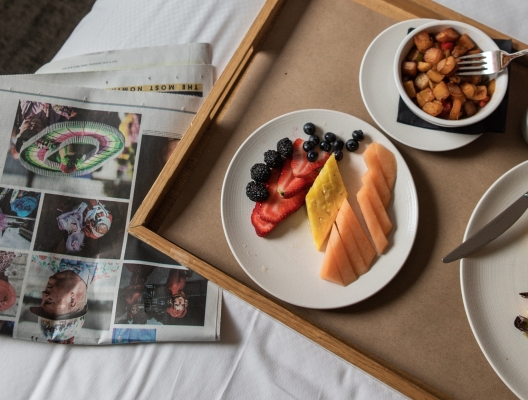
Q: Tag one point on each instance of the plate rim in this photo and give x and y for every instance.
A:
(499, 369)
(410, 184)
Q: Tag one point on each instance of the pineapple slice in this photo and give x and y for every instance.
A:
(324, 200)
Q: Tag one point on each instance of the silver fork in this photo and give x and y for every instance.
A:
(487, 63)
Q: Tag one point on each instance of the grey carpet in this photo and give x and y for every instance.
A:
(32, 31)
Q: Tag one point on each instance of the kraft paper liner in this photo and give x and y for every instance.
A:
(495, 122)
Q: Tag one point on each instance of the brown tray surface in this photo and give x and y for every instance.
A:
(311, 59)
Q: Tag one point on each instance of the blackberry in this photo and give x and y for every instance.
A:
(260, 172)
(285, 147)
(272, 159)
(256, 191)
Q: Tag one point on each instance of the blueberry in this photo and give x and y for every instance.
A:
(330, 137)
(352, 145)
(314, 139)
(358, 135)
(312, 155)
(338, 154)
(338, 144)
(309, 128)
(307, 146)
(325, 146)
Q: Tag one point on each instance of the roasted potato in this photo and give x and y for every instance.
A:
(421, 81)
(433, 55)
(409, 89)
(433, 108)
(447, 35)
(466, 42)
(424, 66)
(423, 41)
(409, 68)
(441, 92)
(456, 109)
(434, 75)
(429, 76)
(447, 65)
(424, 96)
(491, 87)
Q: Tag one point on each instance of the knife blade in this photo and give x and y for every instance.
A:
(491, 231)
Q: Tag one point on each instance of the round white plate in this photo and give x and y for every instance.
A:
(381, 97)
(492, 279)
(285, 263)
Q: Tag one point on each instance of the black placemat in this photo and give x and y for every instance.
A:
(495, 122)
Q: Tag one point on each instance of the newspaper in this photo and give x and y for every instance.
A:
(191, 53)
(75, 163)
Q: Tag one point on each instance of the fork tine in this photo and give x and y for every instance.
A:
(482, 72)
(470, 56)
(474, 68)
(481, 62)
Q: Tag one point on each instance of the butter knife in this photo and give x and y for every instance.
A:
(492, 230)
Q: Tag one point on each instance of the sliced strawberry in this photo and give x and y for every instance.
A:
(262, 228)
(289, 185)
(300, 165)
(276, 207)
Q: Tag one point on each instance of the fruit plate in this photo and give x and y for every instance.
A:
(286, 263)
(492, 278)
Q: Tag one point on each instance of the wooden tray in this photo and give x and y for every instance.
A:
(222, 118)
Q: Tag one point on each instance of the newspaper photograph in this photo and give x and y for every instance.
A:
(75, 164)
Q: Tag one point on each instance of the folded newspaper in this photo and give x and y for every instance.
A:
(75, 163)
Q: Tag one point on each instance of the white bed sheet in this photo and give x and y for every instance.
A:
(505, 16)
(257, 357)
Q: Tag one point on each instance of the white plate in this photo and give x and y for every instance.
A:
(381, 97)
(492, 279)
(285, 263)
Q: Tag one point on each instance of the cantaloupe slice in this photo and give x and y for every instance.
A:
(376, 232)
(329, 270)
(375, 170)
(368, 252)
(341, 259)
(380, 186)
(350, 244)
(388, 164)
(379, 210)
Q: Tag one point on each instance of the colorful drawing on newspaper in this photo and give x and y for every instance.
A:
(71, 148)
(53, 146)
